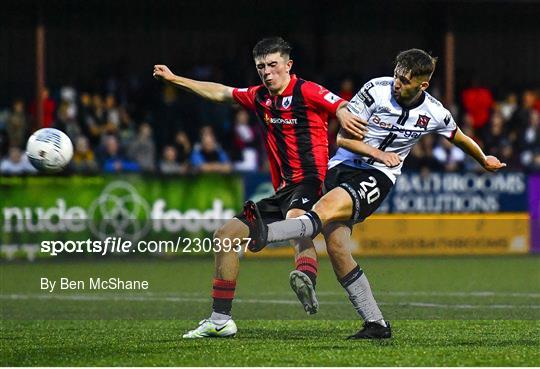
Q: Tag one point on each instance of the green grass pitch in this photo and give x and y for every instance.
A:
(453, 311)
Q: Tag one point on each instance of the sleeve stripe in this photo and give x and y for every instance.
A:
(452, 134)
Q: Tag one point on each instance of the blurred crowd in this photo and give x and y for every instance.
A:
(109, 135)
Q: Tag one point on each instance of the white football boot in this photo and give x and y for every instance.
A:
(207, 328)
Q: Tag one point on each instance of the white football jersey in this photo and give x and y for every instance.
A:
(391, 127)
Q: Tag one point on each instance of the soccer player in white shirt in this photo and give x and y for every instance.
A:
(398, 111)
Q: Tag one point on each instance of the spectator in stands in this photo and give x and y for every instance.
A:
(183, 148)
(168, 117)
(114, 160)
(16, 163)
(522, 117)
(94, 117)
(142, 150)
(493, 137)
(83, 157)
(126, 130)
(535, 163)
(450, 157)
(49, 107)
(17, 124)
(169, 162)
(66, 122)
(244, 143)
(208, 156)
(421, 159)
(529, 142)
(112, 113)
(477, 102)
(509, 106)
(68, 95)
(507, 154)
(85, 117)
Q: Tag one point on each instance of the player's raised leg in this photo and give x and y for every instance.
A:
(335, 205)
(304, 278)
(355, 282)
(220, 323)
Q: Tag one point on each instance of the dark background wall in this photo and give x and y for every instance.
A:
(498, 42)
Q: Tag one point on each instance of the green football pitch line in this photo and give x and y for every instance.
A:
(445, 311)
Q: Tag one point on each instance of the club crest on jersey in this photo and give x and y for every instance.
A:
(422, 121)
(286, 102)
(268, 102)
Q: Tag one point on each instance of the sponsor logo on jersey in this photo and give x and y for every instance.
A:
(283, 121)
(286, 103)
(447, 120)
(378, 121)
(242, 89)
(365, 96)
(422, 121)
(268, 120)
(331, 98)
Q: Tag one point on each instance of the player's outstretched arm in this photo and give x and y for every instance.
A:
(390, 159)
(209, 90)
(467, 144)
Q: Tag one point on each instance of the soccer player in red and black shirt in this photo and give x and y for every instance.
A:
(293, 113)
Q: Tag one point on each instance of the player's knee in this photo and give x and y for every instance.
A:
(224, 232)
(229, 233)
(323, 208)
(294, 213)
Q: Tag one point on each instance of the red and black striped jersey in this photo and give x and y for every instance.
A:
(295, 128)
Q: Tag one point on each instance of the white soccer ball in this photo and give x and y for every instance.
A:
(49, 150)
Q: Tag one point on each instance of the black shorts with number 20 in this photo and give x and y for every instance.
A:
(367, 188)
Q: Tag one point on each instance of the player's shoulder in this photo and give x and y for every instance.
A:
(250, 88)
(375, 90)
(379, 83)
(433, 102)
(434, 105)
(249, 92)
(311, 86)
(437, 109)
(382, 81)
(313, 91)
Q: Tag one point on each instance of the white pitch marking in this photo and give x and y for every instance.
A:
(146, 297)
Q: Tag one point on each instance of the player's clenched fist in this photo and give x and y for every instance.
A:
(163, 72)
(390, 159)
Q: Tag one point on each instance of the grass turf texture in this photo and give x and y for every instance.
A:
(445, 311)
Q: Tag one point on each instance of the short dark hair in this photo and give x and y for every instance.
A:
(272, 45)
(417, 61)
